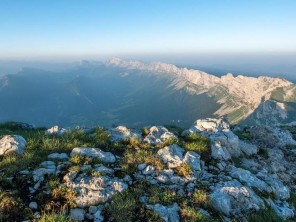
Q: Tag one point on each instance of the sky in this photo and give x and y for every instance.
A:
(35, 28)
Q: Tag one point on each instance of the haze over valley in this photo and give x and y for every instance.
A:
(134, 93)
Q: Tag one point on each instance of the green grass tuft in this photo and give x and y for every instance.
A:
(265, 215)
(54, 217)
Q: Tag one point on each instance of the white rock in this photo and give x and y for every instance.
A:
(158, 135)
(12, 143)
(171, 155)
(221, 202)
(60, 156)
(167, 213)
(104, 170)
(162, 178)
(56, 130)
(210, 125)
(232, 197)
(250, 179)
(247, 148)
(94, 190)
(278, 188)
(219, 152)
(149, 170)
(122, 132)
(95, 153)
(224, 143)
(193, 159)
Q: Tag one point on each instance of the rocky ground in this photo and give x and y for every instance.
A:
(210, 172)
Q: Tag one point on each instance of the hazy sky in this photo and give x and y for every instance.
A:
(88, 27)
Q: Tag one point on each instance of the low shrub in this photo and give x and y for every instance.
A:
(62, 198)
(201, 199)
(12, 208)
(184, 170)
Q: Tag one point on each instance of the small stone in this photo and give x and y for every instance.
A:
(98, 216)
(59, 156)
(37, 215)
(106, 157)
(158, 135)
(33, 205)
(103, 169)
(122, 133)
(47, 164)
(167, 213)
(56, 130)
(89, 216)
(193, 159)
(92, 209)
(24, 172)
(77, 214)
(148, 170)
(142, 166)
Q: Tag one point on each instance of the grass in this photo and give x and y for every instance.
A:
(132, 158)
(263, 152)
(174, 129)
(201, 199)
(243, 134)
(125, 206)
(133, 143)
(167, 142)
(199, 144)
(189, 214)
(53, 182)
(145, 131)
(278, 94)
(84, 160)
(161, 196)
(237, 161)
(265, 215)
(291, 129)
(54, 217)
(39, 145)
(292, 199)
(290, 147)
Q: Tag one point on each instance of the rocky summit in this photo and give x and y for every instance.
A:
(209, 172)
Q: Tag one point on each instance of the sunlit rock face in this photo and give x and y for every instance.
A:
(13, 143)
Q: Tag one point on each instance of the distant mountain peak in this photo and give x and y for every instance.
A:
(241, 94)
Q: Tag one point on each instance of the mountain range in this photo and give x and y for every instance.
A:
(134, 93)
